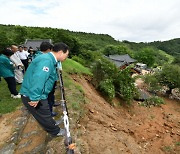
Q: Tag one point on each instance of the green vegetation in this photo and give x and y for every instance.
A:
(152, 82)
(118, 49)
(169, 76)
(74, 92)
(107, 88)
(124, 85)
(146, 56)
(167, 149)
(161, 58)
(88, 49)
(177, 143)
(177, 60)
(73, 67)
(111, 81)
(171, 47)
(155, 101)
(7, 104)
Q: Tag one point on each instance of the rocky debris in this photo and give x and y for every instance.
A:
(27, 136)
(8, 149)
(105, 129)
(175, 94)
(11, 142)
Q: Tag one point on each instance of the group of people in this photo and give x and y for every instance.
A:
(39, 80)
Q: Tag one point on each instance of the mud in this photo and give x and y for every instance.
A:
(104, 129)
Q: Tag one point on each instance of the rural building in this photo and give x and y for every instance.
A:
(35, 44)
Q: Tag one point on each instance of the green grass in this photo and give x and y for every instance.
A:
(75, 92)
(72, 67)
(177, 143)
(74, 96)
(7, 104)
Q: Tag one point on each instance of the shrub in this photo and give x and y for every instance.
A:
(89, 56)
(155, 100)
(79, 60)
(170, 77)
(124, 84)
(152, 82)
(106, 87)
(103, 69)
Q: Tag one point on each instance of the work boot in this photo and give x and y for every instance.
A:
(53, 114)
(56, 104)
(61, 132)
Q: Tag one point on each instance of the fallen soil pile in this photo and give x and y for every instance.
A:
(103, 129)
(135, 129)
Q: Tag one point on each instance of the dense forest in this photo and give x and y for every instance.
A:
(89, 50)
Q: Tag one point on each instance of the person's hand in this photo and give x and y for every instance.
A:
(20, 67)
(33, 103)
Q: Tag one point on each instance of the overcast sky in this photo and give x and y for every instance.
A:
(132, 20)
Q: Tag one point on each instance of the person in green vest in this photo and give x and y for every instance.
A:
(7, 72)
(38, 83)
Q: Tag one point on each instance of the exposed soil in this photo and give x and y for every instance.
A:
(106, 129)
(134, 129)
(7, 126)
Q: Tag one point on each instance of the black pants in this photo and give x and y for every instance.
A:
(25, 63)
(43, 115)
(51, 97)
(11, 85)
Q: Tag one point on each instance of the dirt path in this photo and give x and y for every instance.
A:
(134, 130)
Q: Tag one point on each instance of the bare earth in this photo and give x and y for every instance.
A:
(105, 129)
(136, 129)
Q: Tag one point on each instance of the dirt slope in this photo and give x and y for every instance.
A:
(102, 130)
(109, 130)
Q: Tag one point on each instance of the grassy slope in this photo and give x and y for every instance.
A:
(73, 67)
(8, 104)
(74, 93)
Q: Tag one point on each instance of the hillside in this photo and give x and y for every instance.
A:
(15, 34)
(95, 125)
(171, 46)
(101, 128)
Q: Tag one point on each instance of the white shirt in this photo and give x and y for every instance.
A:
(54, 57)
(23, 55)
(16, 59)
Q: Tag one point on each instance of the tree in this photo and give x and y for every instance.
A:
(20, 34)
(146, 55)
(170, 77)
(124, 84)
(4, 41)
(103, 69)
(110, 81)
(177, 60)
(74, 45)
(107, 88)
(116, 49)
